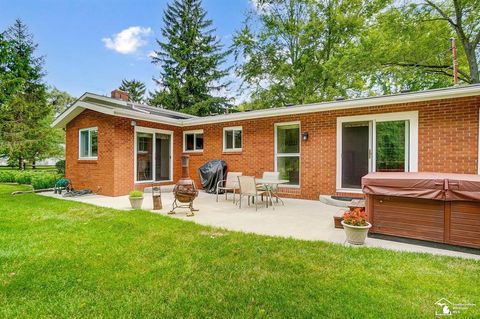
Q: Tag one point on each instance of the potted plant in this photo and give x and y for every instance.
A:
(356, 226)
(136, 199)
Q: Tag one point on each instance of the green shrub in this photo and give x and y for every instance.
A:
(38, 179)
(44, 180)
(7, 176)
(23, 177)
(60, 165)
(136, 194)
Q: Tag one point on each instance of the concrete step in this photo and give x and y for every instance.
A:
(327, 199)
(163, 188)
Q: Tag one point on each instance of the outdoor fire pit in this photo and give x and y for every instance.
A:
(185, 190)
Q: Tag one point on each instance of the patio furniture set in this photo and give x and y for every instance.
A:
(252, 188)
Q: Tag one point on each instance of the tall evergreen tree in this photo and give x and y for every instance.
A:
(25, 114)
(192, 79)
(135, 90)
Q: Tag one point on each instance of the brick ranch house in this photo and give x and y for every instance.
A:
(114, 146)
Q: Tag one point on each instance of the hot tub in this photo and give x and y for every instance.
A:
(437, 207)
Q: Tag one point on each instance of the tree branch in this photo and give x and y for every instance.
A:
(442, 13)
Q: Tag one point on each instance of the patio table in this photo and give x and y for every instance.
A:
(269, 186)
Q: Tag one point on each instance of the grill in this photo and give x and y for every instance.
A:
(185, 190)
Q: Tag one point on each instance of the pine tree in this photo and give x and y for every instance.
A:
(25, 114)
(135, 90)
(191, 57)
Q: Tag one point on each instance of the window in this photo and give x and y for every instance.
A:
(232, 139)
(153, 160)
(193, 141)
(287, 152)
(88, 143)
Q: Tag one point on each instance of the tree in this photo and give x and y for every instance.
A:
(191, 58)
(409, 46)
(135, 90)
(463, 17)
(299, 51)
(405, 50)
(25, 114)
(59, 100)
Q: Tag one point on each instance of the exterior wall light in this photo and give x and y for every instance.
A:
(133, 123)
(305, 136)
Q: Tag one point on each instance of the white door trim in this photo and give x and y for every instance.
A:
(141, 129)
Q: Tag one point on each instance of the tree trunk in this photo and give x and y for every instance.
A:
(34, 165)
(20, 163)
(472, 66)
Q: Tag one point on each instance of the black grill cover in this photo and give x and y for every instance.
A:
(211, 173)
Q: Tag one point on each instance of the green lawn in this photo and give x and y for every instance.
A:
(71, 260)
(29, 168)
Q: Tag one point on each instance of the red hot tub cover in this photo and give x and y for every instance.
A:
(437, 186)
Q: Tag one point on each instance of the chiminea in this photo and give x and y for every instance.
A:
(184, 191)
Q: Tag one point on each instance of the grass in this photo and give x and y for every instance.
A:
(72, 260)
(29, 168)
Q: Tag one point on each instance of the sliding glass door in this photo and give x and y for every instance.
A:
(391, 146)
(373, 146)
(144, 156)
(162, 157)
(153, 158)
(355, 153)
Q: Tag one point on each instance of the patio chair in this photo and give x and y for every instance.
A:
(248, 187)
(229, 184)
(269, 176)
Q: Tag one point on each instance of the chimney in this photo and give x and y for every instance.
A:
(119, 95)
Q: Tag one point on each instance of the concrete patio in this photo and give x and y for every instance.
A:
(300, 219)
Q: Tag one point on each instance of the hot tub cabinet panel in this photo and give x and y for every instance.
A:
(407, 217)
(400, 212)
(465, 224)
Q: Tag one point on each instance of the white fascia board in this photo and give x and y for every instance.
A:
(73, 111)
(455, 92)
(127, 103)
(430, 95)
(77, 108)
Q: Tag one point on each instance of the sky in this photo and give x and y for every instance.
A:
(91, 45)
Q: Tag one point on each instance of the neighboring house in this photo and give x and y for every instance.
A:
(115, 146)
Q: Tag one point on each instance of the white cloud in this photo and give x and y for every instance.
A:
(129, 40)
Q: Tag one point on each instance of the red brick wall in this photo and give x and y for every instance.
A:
(448, 135)
(448, 142)
(113, 172)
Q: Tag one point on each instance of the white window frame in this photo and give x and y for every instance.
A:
(276, 154)
(234, 149)
(411, 135)
(148, 130)
(89, 130)
(195, 132)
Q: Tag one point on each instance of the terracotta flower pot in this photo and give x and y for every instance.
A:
(356, 235)
(136, 202)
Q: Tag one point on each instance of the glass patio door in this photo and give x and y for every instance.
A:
(373, 146)
(153, 156)
(356, 159)
(162, 157)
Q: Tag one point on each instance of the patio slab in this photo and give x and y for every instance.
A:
(299, 219)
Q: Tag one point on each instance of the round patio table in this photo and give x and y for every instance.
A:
(269, 186)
